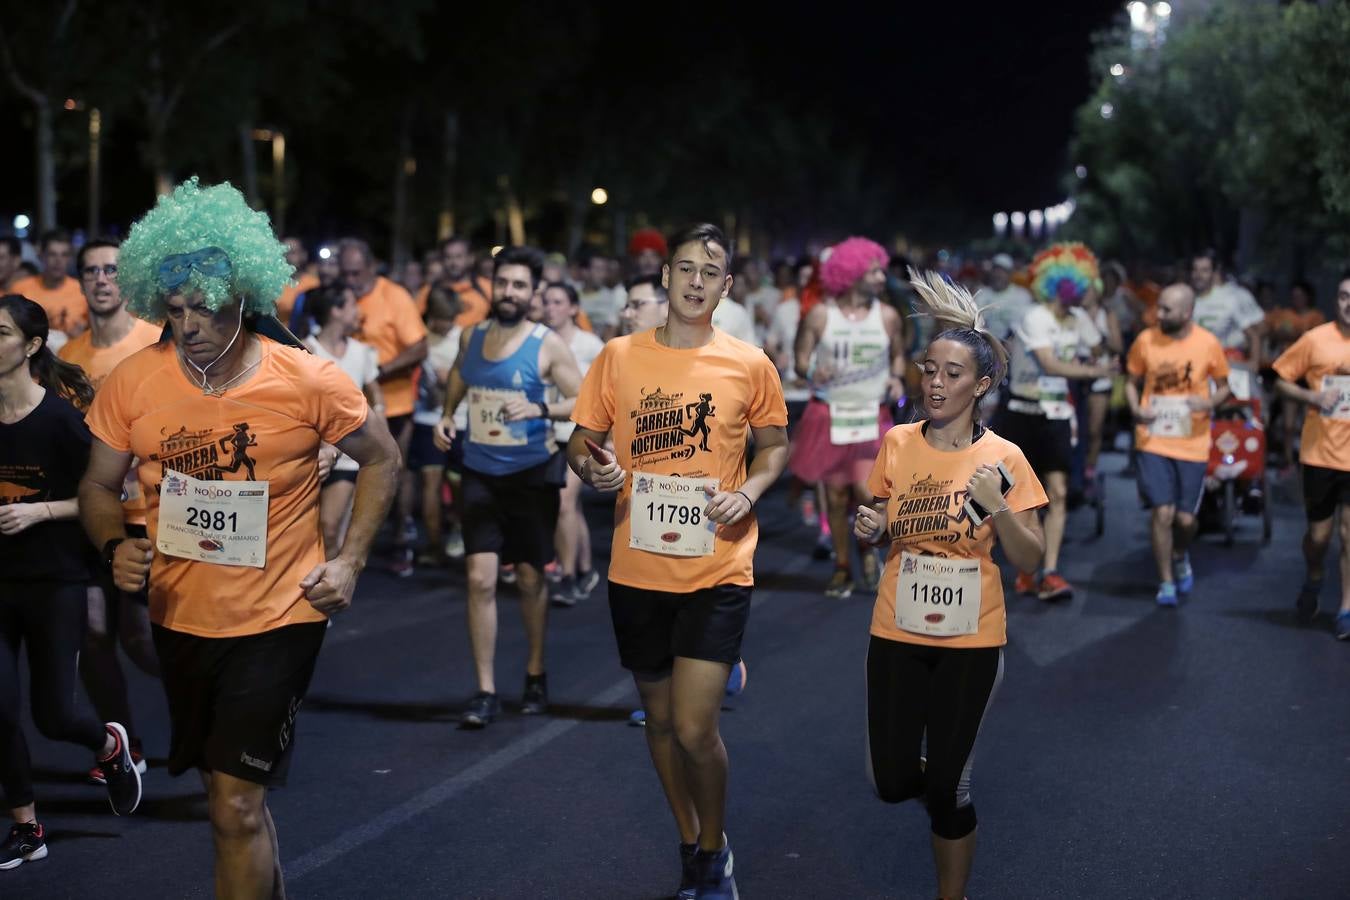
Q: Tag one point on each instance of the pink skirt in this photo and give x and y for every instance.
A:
(813, 458)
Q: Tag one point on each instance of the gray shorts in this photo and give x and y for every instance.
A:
(1164, 481)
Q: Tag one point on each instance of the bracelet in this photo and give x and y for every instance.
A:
(543, 409)
(1003, 508)
(747, 498)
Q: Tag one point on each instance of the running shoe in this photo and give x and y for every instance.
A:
(431, 558)
(97, 777)
(688, 872)
(871, 570)
(454, 544)
(1183, 573)
(841, 585)
(715, 880)
(1343, 626)
(27, 842)
(809, 514)
(535, 700)
(586, 582)
(1054, 587)
(737, 679)
(564, 592)
(823, 549)
(122, 777)
(507, 574)
(553, 572)
(407, 536)
(482, 709)
(1307, 601)
(1026, 584)
(638, 718)
(401, 566)
(1167, 594)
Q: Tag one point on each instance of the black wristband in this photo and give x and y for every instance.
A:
(109, 549)
(747, 498)
(543, 409)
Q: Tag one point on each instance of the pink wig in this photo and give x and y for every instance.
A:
(848, 261)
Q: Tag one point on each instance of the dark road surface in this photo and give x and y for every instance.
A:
(1132, 752)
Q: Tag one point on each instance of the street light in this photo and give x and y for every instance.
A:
(1117, 70)
(1036, 219)
(1108, 110)
(1080, 171)
(1000, 223)
(1019, 220)
(1162, 10)
(21, 222)
(599, 196)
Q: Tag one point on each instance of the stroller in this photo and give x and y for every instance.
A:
(1235, 480)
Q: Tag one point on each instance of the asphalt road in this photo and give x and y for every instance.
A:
(1132, 751)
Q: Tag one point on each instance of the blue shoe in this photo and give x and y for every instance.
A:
(1184, 574)
(1167, 594)
(1343, 626)
(715, 879)
(637, 718)
(736, 680)
(688, 872)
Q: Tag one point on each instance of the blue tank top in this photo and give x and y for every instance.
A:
(495, 447)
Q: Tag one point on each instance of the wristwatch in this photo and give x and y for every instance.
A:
(109, 549)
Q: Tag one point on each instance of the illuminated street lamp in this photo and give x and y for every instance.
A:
(599, 196)
(1019, 221)
(1000, 223)
(1036, 219)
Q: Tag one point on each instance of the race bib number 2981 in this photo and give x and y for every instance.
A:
(222, 522)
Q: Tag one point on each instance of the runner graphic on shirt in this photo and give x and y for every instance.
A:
(241, 440)
(702, 411)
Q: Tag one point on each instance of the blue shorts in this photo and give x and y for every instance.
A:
(1164, 481)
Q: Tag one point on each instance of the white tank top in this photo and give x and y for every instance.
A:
(859, 354)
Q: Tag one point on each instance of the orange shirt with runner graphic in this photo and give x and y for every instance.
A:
(286, 302)
(1177, 368)
(267, 428)
(925, 491)
(390, 324)
(65, 305)
(1322, 351)
(687, 413)
(98, 363)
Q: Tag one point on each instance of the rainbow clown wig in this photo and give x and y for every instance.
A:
(843, 264)
(1064, 272)
(202, 241)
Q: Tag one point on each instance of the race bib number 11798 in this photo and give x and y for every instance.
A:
(666, 515)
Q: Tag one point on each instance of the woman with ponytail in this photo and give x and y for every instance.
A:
(944, 488)
(44, 571)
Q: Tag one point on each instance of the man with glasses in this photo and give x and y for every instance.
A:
(59, 295)
(646, 306)
(113, 335)
(11, 254)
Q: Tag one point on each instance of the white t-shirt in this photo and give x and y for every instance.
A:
(1039, 330)
(361, 364)
(1004, 309)
(441, 357)
(603, 306)
(735, 320)
(585, 348)
(1227, 311)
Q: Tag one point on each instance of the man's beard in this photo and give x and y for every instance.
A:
(501, 316)
(1171, 327)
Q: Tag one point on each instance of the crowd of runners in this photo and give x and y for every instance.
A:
(207, 398)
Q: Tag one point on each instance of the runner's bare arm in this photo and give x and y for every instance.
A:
(870, 522)
(895, 329)
(1255, 341)
(1019, 533)
(1053, 365)
(329, 586)
(374, 396)
(1220, 396)
(1133, 391)
(405, 362)
(562, 371)
(443, 432)
(808, 335)
(1323, 400)
(771, 453)
(100, 493)
(604, 477)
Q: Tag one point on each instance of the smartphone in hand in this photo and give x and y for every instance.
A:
(977, 513)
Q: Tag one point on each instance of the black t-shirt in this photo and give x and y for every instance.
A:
(42, 458)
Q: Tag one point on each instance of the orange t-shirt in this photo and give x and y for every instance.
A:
(97, 363)
(286, 302)
(65, 305)
(649, 397)
(1178, 368)
(1322, 351)
(291, 404)
(475, 300)
(925, 491)
(390, 324)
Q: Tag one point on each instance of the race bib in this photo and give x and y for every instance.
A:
(222, 522)
(1172, 417)
(938, 596)
(666, 515)
(1053, 391)
(853, 422)
(1341, 384)
(487, 422)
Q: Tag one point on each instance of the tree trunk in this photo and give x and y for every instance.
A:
(445, 220)
(46, 167)
(249, 159)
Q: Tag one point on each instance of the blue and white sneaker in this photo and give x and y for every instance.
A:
(1167, 594)
(1343, 626)
(715, 878)
(1183, 573)
(688, 872)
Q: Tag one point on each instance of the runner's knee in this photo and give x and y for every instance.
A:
(695, 736)
(948, 820)
(236, 814)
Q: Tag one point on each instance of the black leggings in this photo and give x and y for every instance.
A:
(48, 617)
(913, 691)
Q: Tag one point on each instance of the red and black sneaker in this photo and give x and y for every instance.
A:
(97, 777)
(27, 842)
(122, 778)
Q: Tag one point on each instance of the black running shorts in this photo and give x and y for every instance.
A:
(1046, 443)
(654, 627)
(233, 701)
(1323, 490)
(513, 516)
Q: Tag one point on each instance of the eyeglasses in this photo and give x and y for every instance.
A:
(636, 305)
(92, 271)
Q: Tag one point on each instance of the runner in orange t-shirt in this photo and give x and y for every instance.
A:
(940, 499)
(681, 567)
(53, 290)
(1171, 365)
(1321, 358)
(112, 336)
(305, 280)
(227, 427)
(475, 294)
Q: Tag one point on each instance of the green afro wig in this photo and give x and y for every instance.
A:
(202, 240)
